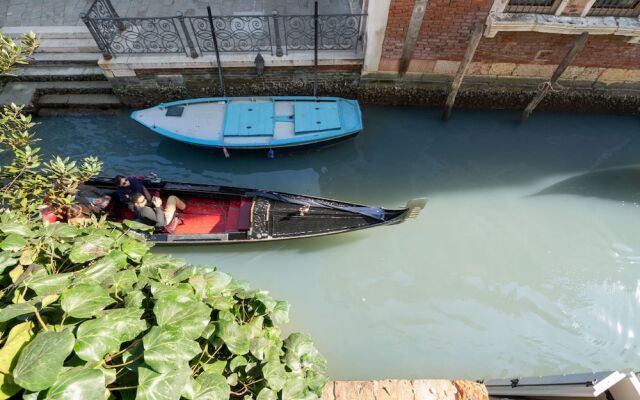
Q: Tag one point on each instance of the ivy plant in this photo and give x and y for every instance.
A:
(91, 313)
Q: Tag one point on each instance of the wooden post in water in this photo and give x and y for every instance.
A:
(462, 70)
(315, 49)
(566, 61)
(215, 46)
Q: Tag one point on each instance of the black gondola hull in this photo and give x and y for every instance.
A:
(224, 215)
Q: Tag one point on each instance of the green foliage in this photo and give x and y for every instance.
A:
(27, 181)
(12, 53)
(92, 311)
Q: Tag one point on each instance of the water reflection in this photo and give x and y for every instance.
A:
(524, 262)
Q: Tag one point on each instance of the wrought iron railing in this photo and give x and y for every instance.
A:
(532, 6)
(619, 8)
(275, 33)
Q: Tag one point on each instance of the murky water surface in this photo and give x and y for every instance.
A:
(525, 261)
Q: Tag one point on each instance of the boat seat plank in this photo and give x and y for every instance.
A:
(244, 218)
(249, 119)
(233, 216)
(312, 116)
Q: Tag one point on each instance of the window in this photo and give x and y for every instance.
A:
(618, 8)
(532, 6)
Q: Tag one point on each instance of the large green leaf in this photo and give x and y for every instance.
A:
(134, 248)
(152, 263)
(78, 383)
(44, 285)
(138, 226)
(280, 314)
(268, 302)
(90, 247)
(275, 375)
(301, 355)
(17, 228)
(41, 360)
(216, 282)
(237, 362)
(294, 389)
(267, 394)
(123, 281)
(105, 267)
(85, 300)
(6, 261)
(234, 336)
(182, 313)
(167, 386)
(14, 310)
(18, 337)
(167, 349)
(62, 231)
(211, 386)
(13, 242)
(100, 336)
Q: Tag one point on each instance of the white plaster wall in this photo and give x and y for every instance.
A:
(376, 27)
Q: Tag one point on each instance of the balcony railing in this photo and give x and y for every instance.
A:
(532, 6)
(618, 8)
(275, 33)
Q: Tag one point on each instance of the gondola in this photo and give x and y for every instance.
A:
(243, 124)
(222, 214)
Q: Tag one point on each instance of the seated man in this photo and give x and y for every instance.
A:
(80, 213)
(127, 187)
(154, 214)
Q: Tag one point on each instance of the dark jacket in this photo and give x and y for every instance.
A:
(125, 193)
(151, 216)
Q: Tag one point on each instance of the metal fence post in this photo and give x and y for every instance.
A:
(192, 49)
(114, 14)
(97, 37)
(276, 29)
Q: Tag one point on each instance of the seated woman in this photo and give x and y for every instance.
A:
(154, 214)
(80, 214)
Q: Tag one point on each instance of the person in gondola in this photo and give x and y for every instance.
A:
(80, 213)
(154, 214)
(128, 187)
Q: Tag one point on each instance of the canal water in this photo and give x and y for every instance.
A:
(525, 261)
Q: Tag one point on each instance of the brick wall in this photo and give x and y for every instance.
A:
(447, 27)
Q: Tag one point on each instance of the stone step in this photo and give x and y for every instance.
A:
(78, 100)
(64, 58)
(51, 73)
(68, 46)
(48, 32)
(23, 92)
(76, 112)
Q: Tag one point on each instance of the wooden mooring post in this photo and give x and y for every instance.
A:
(462, 70)
(547, 86)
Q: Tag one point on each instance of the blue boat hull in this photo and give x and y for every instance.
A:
(255, 123)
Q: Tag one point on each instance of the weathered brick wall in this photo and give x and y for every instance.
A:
(447, 27)
(606, 51)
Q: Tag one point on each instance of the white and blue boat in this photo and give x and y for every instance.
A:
(255, 123)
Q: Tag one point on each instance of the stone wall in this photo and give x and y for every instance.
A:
(149, 87)
(405, 390)
(504, 87)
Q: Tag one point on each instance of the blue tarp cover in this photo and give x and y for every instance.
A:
(249, 119)
(312, 116)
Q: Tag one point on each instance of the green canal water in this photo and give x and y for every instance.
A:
(526, 260)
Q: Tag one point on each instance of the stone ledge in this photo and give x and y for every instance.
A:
(181, 61)
(511, 22)
(433, 389)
